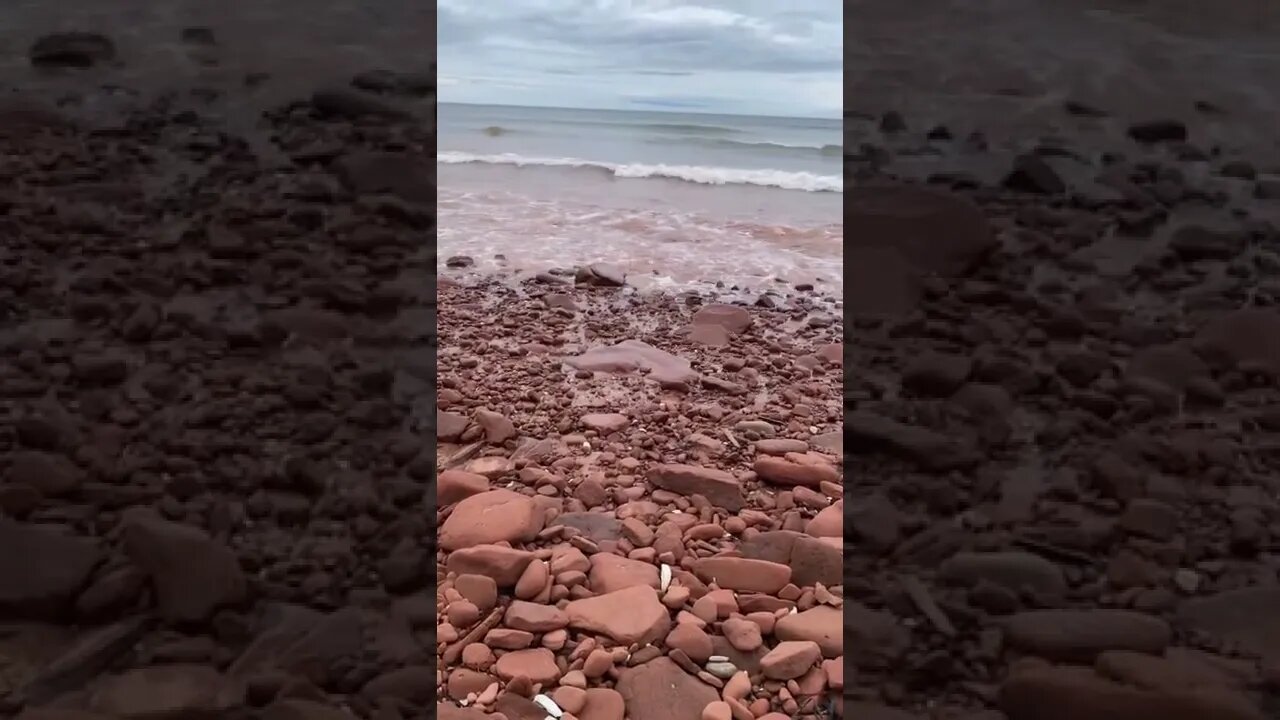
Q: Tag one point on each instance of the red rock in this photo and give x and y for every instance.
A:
(718, 710)
(720, 488)
(834, 670)
(507, 639)
(790, 659)
(52, 475)
(822, 624)
(193, 574)
(797, 469)
(532, 581)
(742, 634)
(413, 683)
(709, 335)
(691, 640)
(457, 485)
(41, 571)
(481, 590)
(1081, 635)
(450, 425)
(937, 232)
(603, 704)
(1245, 617)
(605, 423)
(661, 690)
(570, 699)
(731, 317)
(538, 664)
(503, 564)
(780, 446)
(491, 466)
(829, 522)
(1150, 672)
(881, 281)
(497, 428)
(1245, 336)
(491, 517)
(533, 617)
(743, 574)
(1064, 693)
(633, 615)
(299, 709)
(164, 692)
(631, 355)
(611, 572)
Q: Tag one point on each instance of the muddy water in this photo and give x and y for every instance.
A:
(300, 44)
(1006, 66)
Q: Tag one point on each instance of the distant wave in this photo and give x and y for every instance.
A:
(824, 150)
(808, 182)
(496, 130)
(687, 128)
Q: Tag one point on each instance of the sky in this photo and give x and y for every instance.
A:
(755, 57)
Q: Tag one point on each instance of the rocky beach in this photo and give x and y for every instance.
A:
(640, 501)
(216, 381)
(1061, 366)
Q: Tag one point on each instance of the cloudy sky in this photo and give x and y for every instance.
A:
(770, 57)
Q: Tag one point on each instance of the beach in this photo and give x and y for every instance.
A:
(1061, 283)
(640, 421)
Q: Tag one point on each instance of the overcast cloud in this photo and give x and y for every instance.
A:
(772, 57)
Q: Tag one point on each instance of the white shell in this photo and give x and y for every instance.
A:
(665, 574)
(546, 703)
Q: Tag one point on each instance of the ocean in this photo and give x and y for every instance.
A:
(677, 199)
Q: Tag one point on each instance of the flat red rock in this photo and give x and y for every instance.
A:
(743, 574)
(633, 615)
(504, 564)
(491, 517)
(717, 486)
(730, 317)
(797, 469)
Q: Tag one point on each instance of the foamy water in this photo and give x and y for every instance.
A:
(677, 200)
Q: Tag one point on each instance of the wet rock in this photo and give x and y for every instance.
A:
(1158, 131)
(1081, 635)
(193, 575)
(1013, 570)
(165, 692)
(42, 571)
(72, 50)
(926, 448)
(719, 487)
(491, 517)
(1243, 616)
(631, 615)
(937, 232)
(1053, 693)
(661, 690)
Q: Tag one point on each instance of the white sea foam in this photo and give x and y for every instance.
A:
(802, 181)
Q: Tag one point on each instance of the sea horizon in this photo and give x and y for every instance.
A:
(672, 110)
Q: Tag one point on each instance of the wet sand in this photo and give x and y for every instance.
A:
(1060, 379)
